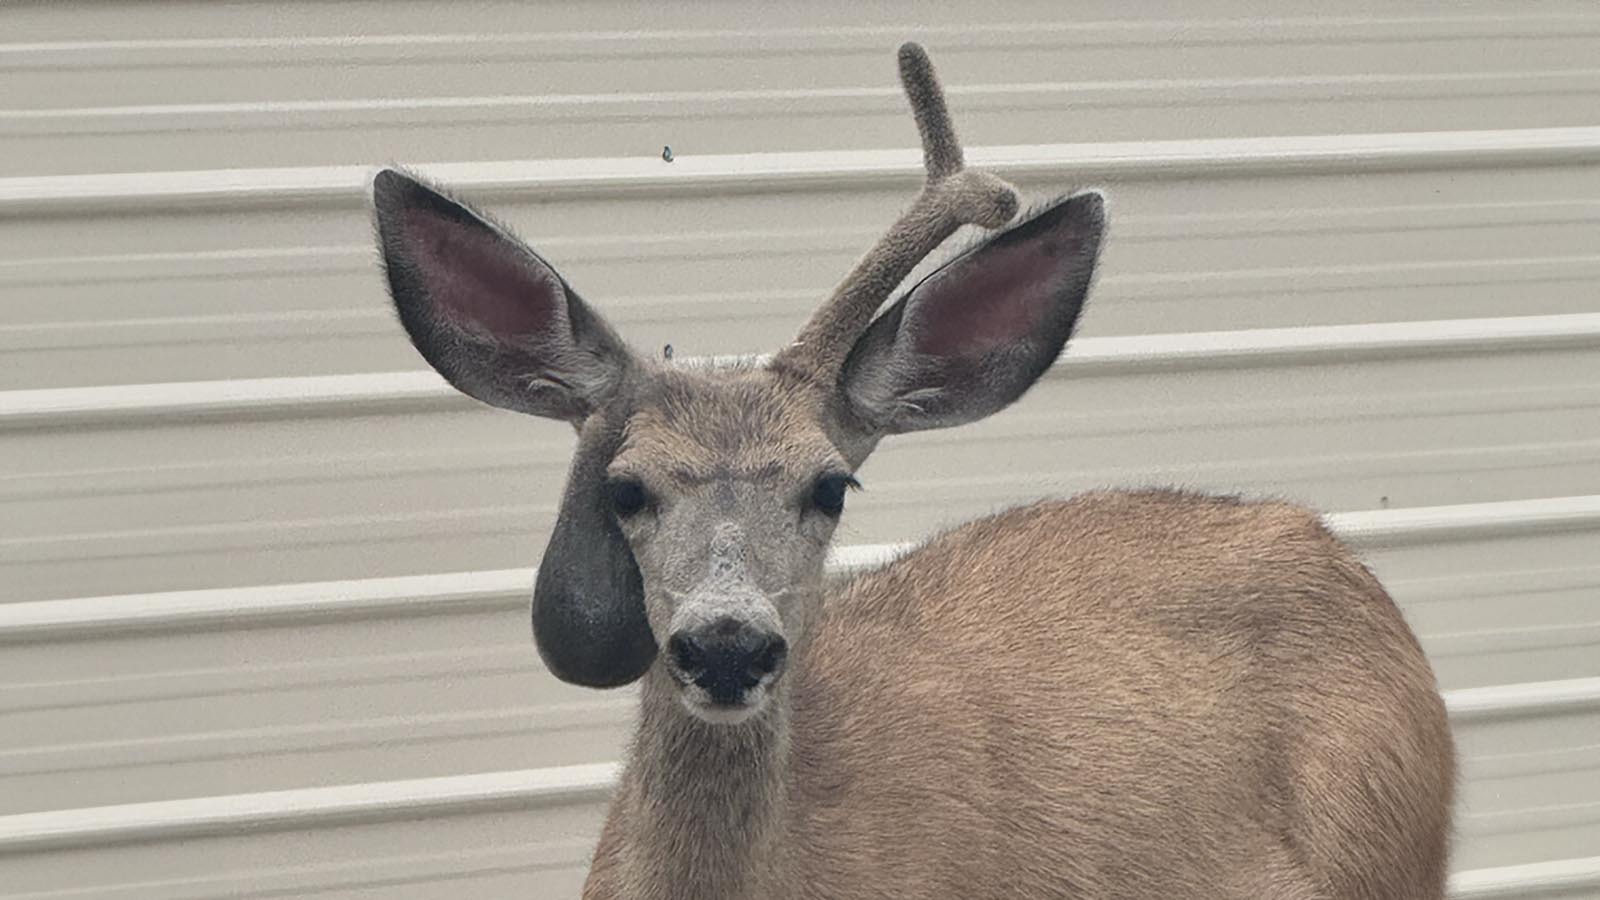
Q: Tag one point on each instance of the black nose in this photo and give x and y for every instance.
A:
(727, 658)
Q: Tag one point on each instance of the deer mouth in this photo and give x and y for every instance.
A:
(715, 710)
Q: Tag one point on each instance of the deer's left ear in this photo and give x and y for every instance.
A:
(589, 620)
(972, 337)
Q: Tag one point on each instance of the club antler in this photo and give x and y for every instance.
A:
(952, 196)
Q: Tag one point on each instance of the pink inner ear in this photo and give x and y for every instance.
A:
(479, 278)
(996, 297)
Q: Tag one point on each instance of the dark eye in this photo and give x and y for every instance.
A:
(828, 494)
(627, 496)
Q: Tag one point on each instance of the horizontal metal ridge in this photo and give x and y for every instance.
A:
(1528, 880)
(574, 104)
(239, 607)
(409, 799)
(307, 394)
(1083, 162)
(306, 807)
(504, 588)
(695, 42)
(1466, 520)
(1523, 699)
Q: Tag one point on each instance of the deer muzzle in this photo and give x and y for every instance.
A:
(726, 643)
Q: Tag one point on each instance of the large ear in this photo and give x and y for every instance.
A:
(589, 618)
(974, 335)
(485, 311)
(501, 325)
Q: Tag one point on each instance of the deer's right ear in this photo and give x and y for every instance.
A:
(974, 335)
(486, 312)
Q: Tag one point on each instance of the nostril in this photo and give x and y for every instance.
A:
(687, 653)
(726, 666)
(770, 658)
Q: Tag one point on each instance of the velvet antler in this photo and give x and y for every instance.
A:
(952, 196)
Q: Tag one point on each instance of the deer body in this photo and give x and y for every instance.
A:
(1215, 685)
(1144, 695)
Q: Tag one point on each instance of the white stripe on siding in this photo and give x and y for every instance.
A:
(1554, 880)
(704, 175)
(307, 807)
(693, 42)
(1543, 696)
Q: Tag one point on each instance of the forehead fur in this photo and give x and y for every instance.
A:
(703, 424)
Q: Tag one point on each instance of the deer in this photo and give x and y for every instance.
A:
(1137, 693)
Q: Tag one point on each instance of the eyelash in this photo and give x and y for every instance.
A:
(827, 494)
(627, 496)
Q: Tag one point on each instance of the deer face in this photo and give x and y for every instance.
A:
(700, 503)
(726, 489)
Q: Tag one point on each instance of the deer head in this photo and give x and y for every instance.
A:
(701, 501)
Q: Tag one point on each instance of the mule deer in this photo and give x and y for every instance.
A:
(1141, 694)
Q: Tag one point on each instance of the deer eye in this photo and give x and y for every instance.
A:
(828, 493)
(627, 496)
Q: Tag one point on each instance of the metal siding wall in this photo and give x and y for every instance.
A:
(262, 623)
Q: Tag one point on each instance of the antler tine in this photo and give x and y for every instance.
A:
(941, 149)
(953, 196)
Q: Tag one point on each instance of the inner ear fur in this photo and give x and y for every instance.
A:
(975, 334)
(486, 311)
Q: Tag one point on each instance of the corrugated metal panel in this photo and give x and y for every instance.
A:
(263, 627)
(159, 86)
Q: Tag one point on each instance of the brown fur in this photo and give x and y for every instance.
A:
(706, 425)
(1123, 695)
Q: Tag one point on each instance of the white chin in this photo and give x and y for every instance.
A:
(721, 714)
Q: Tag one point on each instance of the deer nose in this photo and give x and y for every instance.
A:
(726, 658)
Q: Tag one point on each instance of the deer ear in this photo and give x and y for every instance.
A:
(973, 336)
(589, 618)
(486, 312)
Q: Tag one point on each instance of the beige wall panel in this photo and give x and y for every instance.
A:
(310, 83)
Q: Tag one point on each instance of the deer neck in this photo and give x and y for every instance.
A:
(710, 800)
